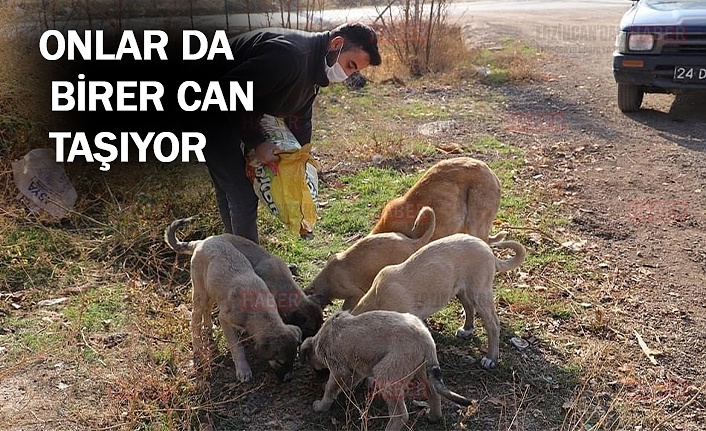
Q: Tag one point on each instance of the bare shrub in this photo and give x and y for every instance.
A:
(413, 30)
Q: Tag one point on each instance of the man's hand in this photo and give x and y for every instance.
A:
(265, 153)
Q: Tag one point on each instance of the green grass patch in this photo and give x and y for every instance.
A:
(513, 61)
(31, 334)
(357, 201)
(100, 309)
(490, 144)
(33, 255)
(447, 320)
(525, 301)
(338, 98)
(353, 205)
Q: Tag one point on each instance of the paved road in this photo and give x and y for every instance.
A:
(458, 13)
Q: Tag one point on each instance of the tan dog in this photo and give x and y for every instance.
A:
(401, 349)
(349, 274)
(223, 275)
(465, 196)
(458, 265)
(293, 305)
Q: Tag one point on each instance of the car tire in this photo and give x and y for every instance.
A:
(629, 97)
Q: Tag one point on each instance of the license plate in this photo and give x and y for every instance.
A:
(687, 74)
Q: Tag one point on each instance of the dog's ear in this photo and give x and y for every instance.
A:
(424, 224)
(313, 311)
(339, 314)
(319, 300)
(296, 317)
(297, 332)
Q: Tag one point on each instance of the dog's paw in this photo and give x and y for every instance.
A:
(433, 418)
(320, 406)
(243, 375)
(488, 363)
(464, 333)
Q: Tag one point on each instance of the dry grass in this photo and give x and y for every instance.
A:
(23, 116)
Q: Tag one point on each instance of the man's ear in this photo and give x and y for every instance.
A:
(336, 43)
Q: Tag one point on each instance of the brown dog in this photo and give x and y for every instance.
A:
(222, 275)
(464, 194)
(349, 274)
(293, 305)
(458, 265)
(400, 350)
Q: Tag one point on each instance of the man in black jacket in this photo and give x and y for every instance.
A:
(286, 67)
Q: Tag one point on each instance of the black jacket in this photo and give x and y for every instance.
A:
(286, 68)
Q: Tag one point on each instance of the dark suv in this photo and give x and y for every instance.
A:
(661, 48)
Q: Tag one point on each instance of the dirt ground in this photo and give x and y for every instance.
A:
(634, 183)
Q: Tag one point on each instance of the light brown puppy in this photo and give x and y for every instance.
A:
(222, 275)
(464, 193)
(458, 265)
(293, 305)
(349, 274)
(400, 350)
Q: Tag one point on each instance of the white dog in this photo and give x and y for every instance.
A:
(459, 265)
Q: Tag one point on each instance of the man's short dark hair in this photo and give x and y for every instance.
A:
(359, 36)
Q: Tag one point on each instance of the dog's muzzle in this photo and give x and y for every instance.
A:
(283, 372)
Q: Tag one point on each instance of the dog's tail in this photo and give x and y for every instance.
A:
(437, 379)
(515, 261)
(175, 244)
(426, 214)
(497, 237)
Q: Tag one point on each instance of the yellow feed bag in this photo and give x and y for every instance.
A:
(291, 193)
(290, 190)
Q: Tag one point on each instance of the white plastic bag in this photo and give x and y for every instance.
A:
(43, 183)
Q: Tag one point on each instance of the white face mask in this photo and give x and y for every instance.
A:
(335, 73)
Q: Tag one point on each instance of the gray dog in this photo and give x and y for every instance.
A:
(392, 347)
